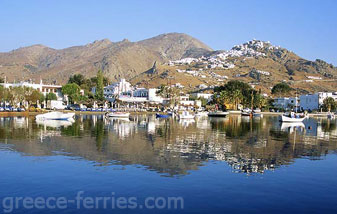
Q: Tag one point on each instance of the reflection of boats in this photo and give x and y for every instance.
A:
(126, 119)
(246, 112)
(55, 115)
(293, 117)
(162, 115)
(285, 126)
(186, 115)
(56, 123)
(117, 114)
(218, 114)
(331, 115)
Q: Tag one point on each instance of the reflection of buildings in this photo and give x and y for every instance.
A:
(165, 147)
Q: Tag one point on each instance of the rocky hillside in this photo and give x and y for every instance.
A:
(256, 62)
(117, 59)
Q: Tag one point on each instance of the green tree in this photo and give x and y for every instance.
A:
(100, 86)
(51, 96)
(281, 89)
(329, 104)
(73, 91)
(77, 78)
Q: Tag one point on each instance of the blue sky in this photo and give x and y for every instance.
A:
(307, 27)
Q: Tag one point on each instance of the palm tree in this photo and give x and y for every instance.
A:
(236, 96)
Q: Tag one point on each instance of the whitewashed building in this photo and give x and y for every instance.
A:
(43, 88)
(315, 101)
(286, 103)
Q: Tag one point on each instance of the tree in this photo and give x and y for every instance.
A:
(329, 104)
(2, 80)
(281, 89)
(77, 78)
(100, 86)
(32, 95)
(260, 101)
(51, 96)
(73, 91)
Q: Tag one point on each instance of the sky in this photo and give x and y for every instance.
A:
(306, 27)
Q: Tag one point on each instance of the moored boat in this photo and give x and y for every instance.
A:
(162, 115)
(218, 114)
(246, 112)
(293, 117)
(55, 115)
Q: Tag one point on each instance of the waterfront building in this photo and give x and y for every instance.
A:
(315, 101)
(286, 103)
(41, 87)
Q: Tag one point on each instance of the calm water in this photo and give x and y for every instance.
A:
(231, 165)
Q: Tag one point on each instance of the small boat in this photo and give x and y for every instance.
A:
(246, 112)
(162, 115)
(257, 113)
(331, 115)
(186, 115)
(293, 117)
(117, 114)
(55, 115)
(218, 114)
(201, 114)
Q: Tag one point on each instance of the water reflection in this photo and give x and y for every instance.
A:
(174, 147)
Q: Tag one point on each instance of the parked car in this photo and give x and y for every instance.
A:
(73, 107)
(2, 109)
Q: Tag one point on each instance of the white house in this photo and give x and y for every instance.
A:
(315, 101)
(43, 88)
(286, 102)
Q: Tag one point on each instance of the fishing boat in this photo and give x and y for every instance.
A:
(246, 112)
(55, 115)
(293, 117)
(117, 114)
(186, 115)
(218, 114)
(162, 115)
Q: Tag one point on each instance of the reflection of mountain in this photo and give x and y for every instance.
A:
(169, 147)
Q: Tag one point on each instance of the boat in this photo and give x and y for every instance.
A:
(218, 114)
(117, 114)
(293, 117)
(162, 115)
(246, 112)
(257, 113)
(55, 115)
(186, 115)
(331, 115)
(201, 114)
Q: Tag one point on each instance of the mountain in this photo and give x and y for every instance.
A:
(172, 58)
(117, 60)
(256, 62)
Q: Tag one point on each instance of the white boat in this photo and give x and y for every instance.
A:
(257, 113)
(55, 115)
(186, 115)
(331, 115)
(218, 114)
(118, 114)
(201, 114)
(246, 112)
(293, 117)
